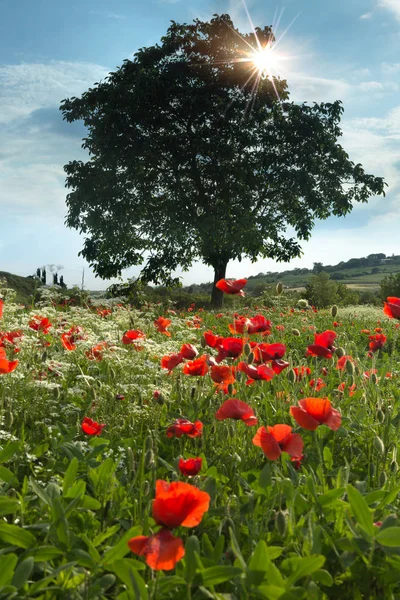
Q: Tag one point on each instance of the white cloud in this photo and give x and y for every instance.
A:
(391, 5)
(390, 67)
(367, 86)
(306, 88)
(28, 87)
(366, 16)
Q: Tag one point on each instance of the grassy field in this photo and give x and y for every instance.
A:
(294, 490)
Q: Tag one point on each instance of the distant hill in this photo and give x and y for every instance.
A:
(359, 273)
(24, 286)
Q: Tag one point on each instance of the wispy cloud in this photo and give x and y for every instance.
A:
(391, 5)
(366, 16)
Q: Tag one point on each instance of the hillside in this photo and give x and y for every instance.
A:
(24, 286)
(359, 273)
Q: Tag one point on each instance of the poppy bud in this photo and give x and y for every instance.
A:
(238, 375)
(291, 376)
(203, 342)
(340, 352)
(160, 399)
(295, 332)
(131, 460)
(149, 443)
(230, 389)
(351, 380)
(280, 523)
(247, 349)
(279, 288)
(302, 303)
(146, 487)
(149, 459)
(334, 310)
(394, 467)
(349, 366)
(106, 581)
(374, 378)
(44, 356)
(382, 478)
(379, 445)
(192, 393)
(250, 358)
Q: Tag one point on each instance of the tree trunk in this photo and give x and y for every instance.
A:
(217, 296)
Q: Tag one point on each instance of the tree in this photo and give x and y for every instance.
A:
(318, 267)
(321, 291)
(191, 157)
(390, 286)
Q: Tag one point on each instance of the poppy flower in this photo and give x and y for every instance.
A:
(104, 312)
(96, 353)
(170, 361)
(301, 372)
(190, 467)
(259, 324)
(392, 307)
(350, 388)
(92, 427)
(240, 325)
(231, 286)
(236, 409)
(68, 342)
(161, 550)
(38, 323)
(256, 373)
(229, 348)
(376, 342)
(212, 340)
(10, 337)
(6, 366)
(323, 344)
(341, 363)
(182, 427)
(313, 412)
(161, 325)
(198, 366)
(131, 336)
(277, 439)
(267, 352)
(278, 366)
(188, 351)
(1, 307)
(179, 504)
(317, 384)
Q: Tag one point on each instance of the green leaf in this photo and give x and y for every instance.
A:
(331, 496)
(39, 491)
(265, 479)
(167, 584)
(125, 570)
(45, 553)
(8, 505)
(8, 562)
(323, 577)
(236, 549)
(215, 575)
(389, 537)
(360, 509)
(11, 534)
(70, 475)
(9, 451)
(60, 522)
(6, 475)
(23, 572)
(121, 548)
(304, 567)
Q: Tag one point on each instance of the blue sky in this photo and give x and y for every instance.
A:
(347, 50)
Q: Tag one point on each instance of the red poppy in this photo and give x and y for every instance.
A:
(132, 335)
(317, 384)
(222, 376)
(231, 286)
(38, 323)
(198, 366)
(162, 550)
(188, 351)
(229, 348)
(10, 337)
(301, 372)
(161, 325)
(182, 427)
(279, 365)
(377, 341)
(323, 344)
(6, 366)
(256, 373)
(336, 324)
(392, 307)
(104, 312)
(236, 409)
(68, 342)
(257, 324)
(92, 427)
(179, 504)
(170, 361)
(267, 352)
(350, 388)
(278, 439)
(1, 307)
(190, 467)
(96, 353)
(341, 363)
(212, 340)
(313, 412)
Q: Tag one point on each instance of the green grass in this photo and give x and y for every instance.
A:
(25, 287)
(69, 502)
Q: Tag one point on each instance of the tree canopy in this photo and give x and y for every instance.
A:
(191, 157)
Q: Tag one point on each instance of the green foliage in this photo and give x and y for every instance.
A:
(390, 286)
(199, 175)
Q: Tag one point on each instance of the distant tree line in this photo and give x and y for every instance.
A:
(41, 274)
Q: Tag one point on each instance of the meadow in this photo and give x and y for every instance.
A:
(291, 416)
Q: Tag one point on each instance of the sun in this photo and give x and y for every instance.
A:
(265, 61)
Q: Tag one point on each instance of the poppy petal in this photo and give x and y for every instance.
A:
(303, 419)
